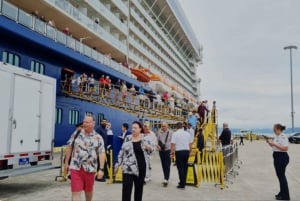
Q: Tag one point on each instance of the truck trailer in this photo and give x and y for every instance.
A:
(27, 120)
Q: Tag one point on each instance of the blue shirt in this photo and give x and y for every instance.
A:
(193, 120)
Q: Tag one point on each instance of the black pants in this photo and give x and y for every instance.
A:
(128, 181)
(182, 165)
(241, 141)
(165, 160)
(281, 160)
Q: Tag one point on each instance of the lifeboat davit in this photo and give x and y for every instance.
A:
(141, 74)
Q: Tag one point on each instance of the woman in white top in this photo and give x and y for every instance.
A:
(281, 159)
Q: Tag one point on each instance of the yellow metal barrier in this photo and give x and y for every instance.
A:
(119, 175)
(253, 135)
(209, 168)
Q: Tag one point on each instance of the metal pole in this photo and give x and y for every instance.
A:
(291, 74)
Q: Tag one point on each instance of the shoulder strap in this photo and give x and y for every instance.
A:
(76, 135)
(72, 148)
(167, 137)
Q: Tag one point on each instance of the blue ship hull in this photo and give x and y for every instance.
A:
(32, 46)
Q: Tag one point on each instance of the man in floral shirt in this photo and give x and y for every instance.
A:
(85, 148)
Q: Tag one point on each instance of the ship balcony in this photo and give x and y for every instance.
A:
(157, 29)
(158, 39)
(144, 51)
(27, 20)
(194, 85)
(193, 76)
(121, 6)
(158, 62)
(156, 50)
(81, 26)
(105, 11)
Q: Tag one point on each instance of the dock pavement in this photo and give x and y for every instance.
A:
(256, 181)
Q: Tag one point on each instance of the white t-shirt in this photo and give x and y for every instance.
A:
(91, 80)
(182, 140)
(191, 132)
(281, 140)
(110, 132)
(151, 136)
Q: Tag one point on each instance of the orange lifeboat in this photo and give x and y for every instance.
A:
(173, 87)
(141, 74)
(155, 77)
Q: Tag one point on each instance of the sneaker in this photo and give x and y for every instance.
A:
(165, 183)
(180, 187)
(100, 180)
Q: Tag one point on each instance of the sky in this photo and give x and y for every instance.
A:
(245, 68)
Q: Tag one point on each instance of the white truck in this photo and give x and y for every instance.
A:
(27, 120)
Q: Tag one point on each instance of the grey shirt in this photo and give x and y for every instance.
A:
(161, 135)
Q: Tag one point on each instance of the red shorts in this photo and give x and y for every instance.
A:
(82, 181)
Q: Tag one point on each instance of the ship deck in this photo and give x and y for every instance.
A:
(256, 181)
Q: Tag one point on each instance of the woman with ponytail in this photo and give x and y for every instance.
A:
(281, 159)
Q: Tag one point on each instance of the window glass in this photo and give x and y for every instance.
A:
(100, 117)
(10, 58)
(58, 116)
(73, 117)
(4, 57)
(37, 67)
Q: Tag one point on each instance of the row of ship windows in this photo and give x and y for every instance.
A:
(13, 59)
(74, 116)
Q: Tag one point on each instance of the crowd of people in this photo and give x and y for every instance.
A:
(88, 147)
(135, 155)
(121, 93)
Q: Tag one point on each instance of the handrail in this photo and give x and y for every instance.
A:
(129, 101)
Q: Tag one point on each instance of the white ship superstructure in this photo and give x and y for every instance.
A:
(150, 34)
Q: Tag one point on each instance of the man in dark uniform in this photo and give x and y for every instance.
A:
(125, 131)
(225, 137)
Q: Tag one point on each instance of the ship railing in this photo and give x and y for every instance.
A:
(11, 11)
(114, 97)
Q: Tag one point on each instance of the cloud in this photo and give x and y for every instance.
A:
(245, 68)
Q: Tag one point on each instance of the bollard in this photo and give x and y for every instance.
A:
(62, 172)
(111, 168)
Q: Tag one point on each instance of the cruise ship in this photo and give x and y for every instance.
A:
(148, 45)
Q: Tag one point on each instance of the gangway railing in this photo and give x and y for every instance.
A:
(113, 97)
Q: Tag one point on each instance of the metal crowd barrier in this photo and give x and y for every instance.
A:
(231, 162)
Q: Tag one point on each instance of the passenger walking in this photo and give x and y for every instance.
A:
(164, 136)
(151, 139)
(202, 110)
(241, 140)
(192, 119)
(190, 130)
(281, 159)
(132, 157)
(83, 164)
(181, 144)
(201, 143)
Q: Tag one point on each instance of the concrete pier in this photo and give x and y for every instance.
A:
(256, 181)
